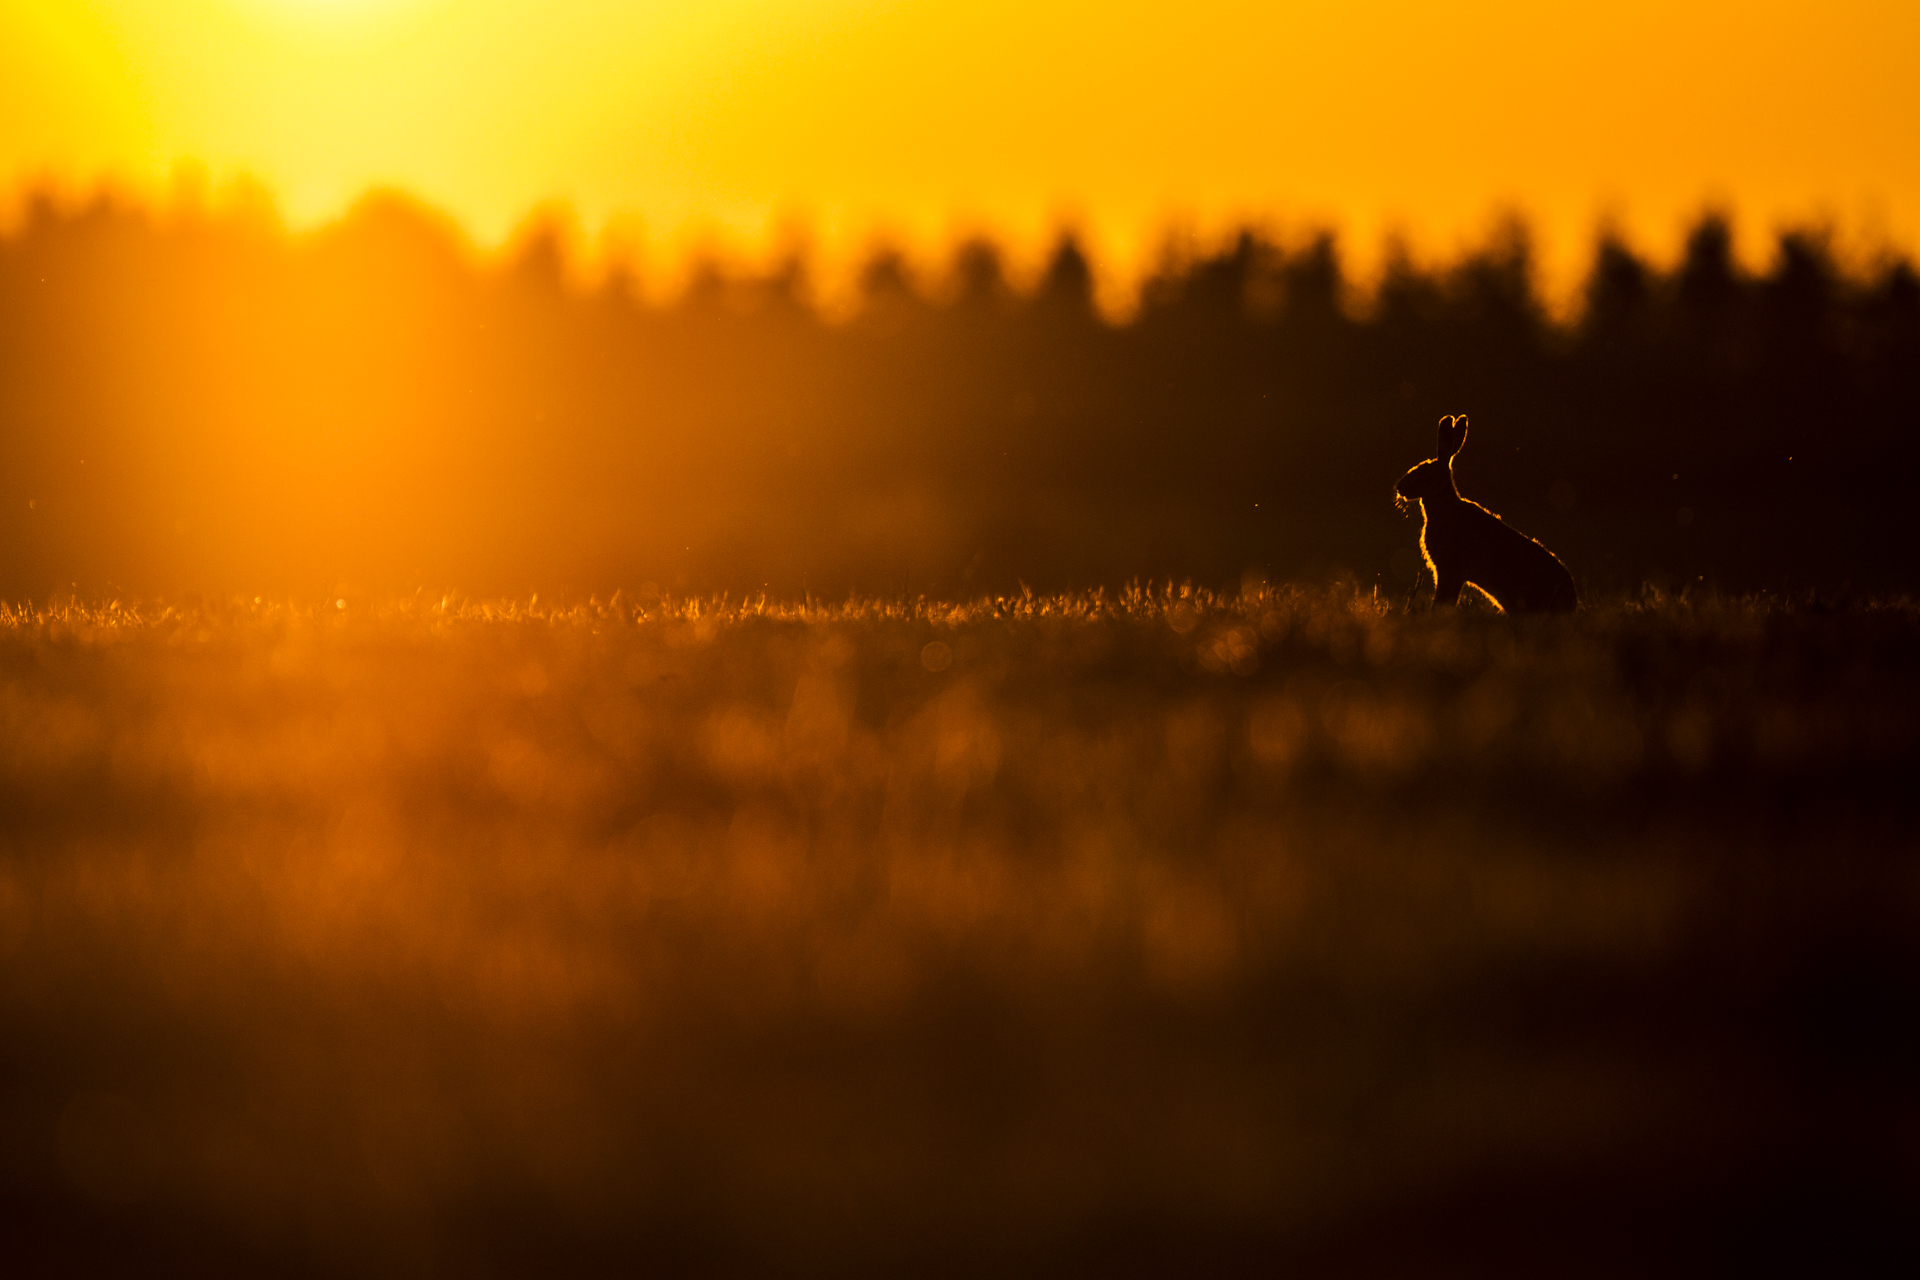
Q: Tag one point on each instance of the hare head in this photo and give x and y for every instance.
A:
(1434, 477)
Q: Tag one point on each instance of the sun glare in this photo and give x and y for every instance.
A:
(341, 8)
(768, 636)
(731, 120)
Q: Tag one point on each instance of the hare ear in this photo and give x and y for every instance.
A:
(1443, 445)
(1452, 435)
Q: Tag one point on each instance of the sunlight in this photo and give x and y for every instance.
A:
(752, 636)
(339, 8)
(737, 119)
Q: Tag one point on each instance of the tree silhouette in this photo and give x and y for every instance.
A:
(377, 402)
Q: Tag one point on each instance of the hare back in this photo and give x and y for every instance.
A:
(1466, 542)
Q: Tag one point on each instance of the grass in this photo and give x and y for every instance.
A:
(1140, 930)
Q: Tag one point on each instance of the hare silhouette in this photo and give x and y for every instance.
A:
(1464, 544)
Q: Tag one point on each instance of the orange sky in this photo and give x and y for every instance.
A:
(676, 121)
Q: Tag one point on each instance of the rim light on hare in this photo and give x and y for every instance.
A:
(1464, 544)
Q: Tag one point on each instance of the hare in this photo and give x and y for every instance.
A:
(1464, 543)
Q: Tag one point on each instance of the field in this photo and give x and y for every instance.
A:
(1149, 930)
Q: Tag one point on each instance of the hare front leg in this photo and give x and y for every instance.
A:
(1447, 588)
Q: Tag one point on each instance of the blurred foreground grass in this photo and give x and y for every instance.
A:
(1146, 931)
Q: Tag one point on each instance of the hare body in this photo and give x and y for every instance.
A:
(1464, 543)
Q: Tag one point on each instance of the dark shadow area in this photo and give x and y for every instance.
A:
(193, 402)
(1136, 935)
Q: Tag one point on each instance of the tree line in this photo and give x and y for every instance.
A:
(201, 402)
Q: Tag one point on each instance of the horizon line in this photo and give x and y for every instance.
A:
(792, 244)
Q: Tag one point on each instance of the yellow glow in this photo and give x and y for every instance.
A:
(731, 119)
